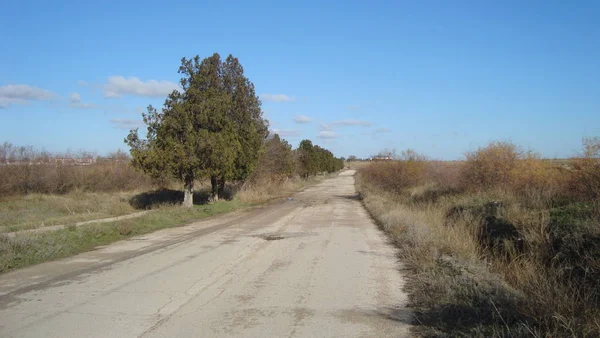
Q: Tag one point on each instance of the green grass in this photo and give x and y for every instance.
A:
(33, 248)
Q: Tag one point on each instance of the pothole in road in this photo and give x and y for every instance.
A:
(283, 235)
(272, 237)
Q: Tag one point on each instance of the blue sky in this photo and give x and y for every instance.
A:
(441, 77)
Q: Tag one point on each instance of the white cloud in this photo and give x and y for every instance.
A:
(381, 130)
(324, 126)
(286, 132)
(118, 86)
(346, 123)
(302, 119)
(126, 123)
(353, 107)
(75, 99)
(327, 134)
(82, 105)
(82, 83)
(22, 94)
(277, 98)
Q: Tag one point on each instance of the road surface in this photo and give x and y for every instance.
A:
(313, 266)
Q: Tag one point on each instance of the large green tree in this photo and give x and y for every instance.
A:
(250, 128)
(211, 128)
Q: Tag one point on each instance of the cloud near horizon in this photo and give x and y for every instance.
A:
(286, 132)
(126, 123)
(22, 94)
(344, 123)
(277, 98)
(302, 119)
(350, 122)
(327, 135)
(118, 86)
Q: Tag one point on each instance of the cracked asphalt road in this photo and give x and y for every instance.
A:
(314, 266)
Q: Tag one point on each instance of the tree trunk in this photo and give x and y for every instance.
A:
(222, 187)
(214, 182)
(188, 192)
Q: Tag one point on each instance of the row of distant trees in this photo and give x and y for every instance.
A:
(313, 159)
(280, 161)
(213, 128)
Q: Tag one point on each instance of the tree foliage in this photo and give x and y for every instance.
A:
(211, 128)
(277, 161)
(314, 159)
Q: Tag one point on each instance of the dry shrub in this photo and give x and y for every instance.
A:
(537, 181)
(450, 290)
(490, 166)
(398, 175)
(125, 228)
(585, 171)
(25, 170)
(19, 179)
(504, 165)
(514, 250)
(460, 286)
(444, 173)
(263, 189)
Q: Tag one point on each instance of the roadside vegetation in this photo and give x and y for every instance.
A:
(37, 210)
(209, 139)
(32, 248)
(502, 244)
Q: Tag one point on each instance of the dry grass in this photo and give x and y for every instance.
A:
(450, 288)
(21, 179)
(513, 250)
(38, 210)
(357, 164)
(20, 212)
(585, 171)
(264, 189)
(32, 248)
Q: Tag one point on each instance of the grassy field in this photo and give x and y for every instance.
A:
(500, 245)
